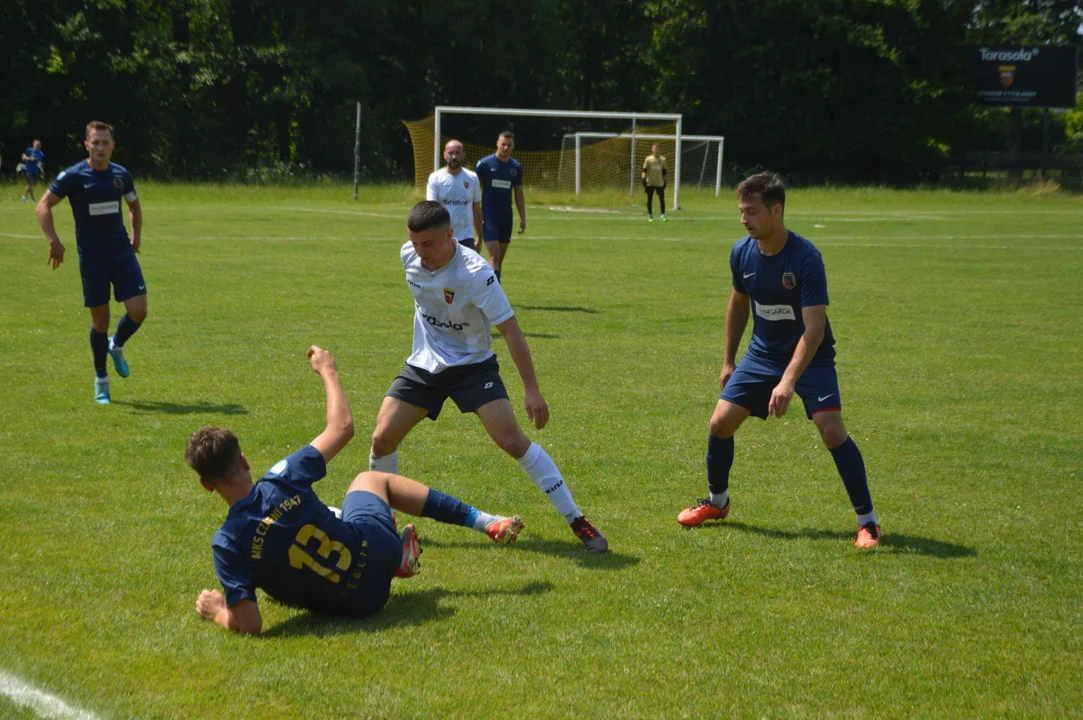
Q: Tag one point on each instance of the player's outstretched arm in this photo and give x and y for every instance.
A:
(537, 410)
(339, 430)
(244, 617)
(736, 321)
(44, 211)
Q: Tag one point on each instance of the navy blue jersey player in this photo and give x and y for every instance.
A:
(278, 536)
(500, 176)
(779, 277)
(95, 188)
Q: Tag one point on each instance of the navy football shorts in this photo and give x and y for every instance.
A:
(371, 517)
(751, 386)
(121, 270)
(497, 230)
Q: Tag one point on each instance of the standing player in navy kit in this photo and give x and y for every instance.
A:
(95, 187)
(500, 175)
(791, 350)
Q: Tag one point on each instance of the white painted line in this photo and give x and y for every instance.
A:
(342, 212)
(44, 704)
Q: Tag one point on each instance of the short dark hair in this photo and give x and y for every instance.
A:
(213, 452)
(428, 214)
(506, 134)
(767, 185)
(99, 125)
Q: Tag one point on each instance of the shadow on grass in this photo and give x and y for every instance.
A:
(560, 308)
(201, 407)
(571, 549)
(411, 609)
(894, 542)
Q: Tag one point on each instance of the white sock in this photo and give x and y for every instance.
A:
(385, 463)
(101, 381)
(543, 471)
(484, 520)
(866, 518)
(719, 500)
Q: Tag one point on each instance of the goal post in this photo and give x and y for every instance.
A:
(634, 117)
(633, 136)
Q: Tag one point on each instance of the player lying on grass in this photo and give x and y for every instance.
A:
(280, 537)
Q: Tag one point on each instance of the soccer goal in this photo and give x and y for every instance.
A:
(601, 164)
(698, 155)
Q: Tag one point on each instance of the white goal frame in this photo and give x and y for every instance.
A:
(523, 112)
(633, 136)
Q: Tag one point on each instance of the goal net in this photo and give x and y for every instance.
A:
(545, 144)
(616, 160)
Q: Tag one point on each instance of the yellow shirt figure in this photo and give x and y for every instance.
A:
(654, 181)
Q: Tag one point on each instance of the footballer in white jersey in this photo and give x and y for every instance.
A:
(458, 190)
(457, 301)
(455, 308)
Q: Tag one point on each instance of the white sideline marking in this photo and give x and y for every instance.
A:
(339, 212)
(44, 704)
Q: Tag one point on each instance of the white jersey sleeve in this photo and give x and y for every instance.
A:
(432, 189)
(489, 297)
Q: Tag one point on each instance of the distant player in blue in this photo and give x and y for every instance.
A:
(778, 275)
(500, 175)
(33, 166)
(95, 187)
(278, 536)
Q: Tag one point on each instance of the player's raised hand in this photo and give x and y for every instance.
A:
(56, 254)
(210, 603)
(321, 359)
(727, 373)
(780, 399)
(537, 410)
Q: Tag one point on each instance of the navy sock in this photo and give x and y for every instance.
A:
(497, 272)
(446, 509)
(125, 329)
(99, 346)
(852, 469)
(719, 462)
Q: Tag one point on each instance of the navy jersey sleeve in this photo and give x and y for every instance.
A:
(735, 270)
(236, 579)
(300, 469)
(129, 186)
(482, 170)
(517, 177)
(813, 281)
(63, 184)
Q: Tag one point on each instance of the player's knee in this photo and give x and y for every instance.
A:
(513, 441)
(832, 431)
(723, 426)
(383, 443)
(138, 314)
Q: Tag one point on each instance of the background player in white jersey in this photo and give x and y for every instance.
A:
(457, 300)
(458, 189)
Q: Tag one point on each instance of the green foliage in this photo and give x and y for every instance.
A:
(205, 89)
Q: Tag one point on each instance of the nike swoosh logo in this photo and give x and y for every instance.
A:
(144, 287)
(821, 399)
(749, 275)
(90, 185)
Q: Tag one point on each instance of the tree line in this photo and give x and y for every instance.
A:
(229, 89)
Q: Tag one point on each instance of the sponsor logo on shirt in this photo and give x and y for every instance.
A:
(104, 208)
(449, 295)
(502, 184)
(449, 325)
(411, 283)
(775, 312)
(789, 281)
(453, 201)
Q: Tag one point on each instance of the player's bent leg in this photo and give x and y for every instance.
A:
(499, 420)
(136, 307)
(851, 467)
(725, 421)
(496, 253)
(396, 419)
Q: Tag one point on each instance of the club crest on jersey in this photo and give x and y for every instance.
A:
(466, 185)
(449, 295)
(118, 183)
(789, 281)
(514, 172)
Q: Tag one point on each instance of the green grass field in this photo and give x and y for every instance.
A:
(959, 320)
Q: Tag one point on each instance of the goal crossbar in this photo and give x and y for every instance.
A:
(522, 112)
(633, 136)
